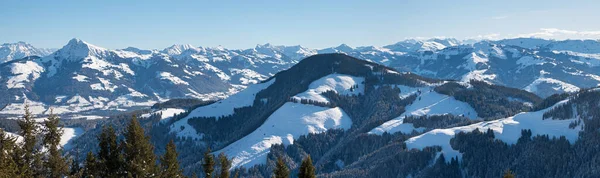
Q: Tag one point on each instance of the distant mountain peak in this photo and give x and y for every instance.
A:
(20, 49)
(77, 49)
(177, 49)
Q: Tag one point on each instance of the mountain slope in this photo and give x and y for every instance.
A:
(12, 51)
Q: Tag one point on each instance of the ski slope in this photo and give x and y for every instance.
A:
(338, 83)
(430, 103)
(286, 124)
(507, 130)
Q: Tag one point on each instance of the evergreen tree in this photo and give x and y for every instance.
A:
(8, 167)
(307, 170)
(30, 162)
(55, 165)
(225, 166)
(281, 170)
(169, 163)
(75, 168)
(91, 166)
(140, 160)
(508, 174)
(208, 164)
(110, 158)
(236, 174)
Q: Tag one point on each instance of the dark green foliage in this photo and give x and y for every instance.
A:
(91, 167)
(491, 101)
(110, 159)
(30, 163)
(281, 170)
(307, 170)
(140, 160)
(561, 112)
(10, 125)
(8, 146)
(208, 164)
(550, 100)
(187, 103)
(508, 174)
(225, 166)
(169, 163)
(443, 169)
(537, 156)
(55, 165)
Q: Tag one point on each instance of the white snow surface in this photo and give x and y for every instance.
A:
(557, 85)
(431, 103)
(165, 113)
(68, 135)
(22, 73)
(507, 130)
(171, 78)
(225, 107)
(338, 83)
(221, 108)
(286, 124)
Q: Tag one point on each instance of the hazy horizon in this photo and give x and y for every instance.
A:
(316, 24)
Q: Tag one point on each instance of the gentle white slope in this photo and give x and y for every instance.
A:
(282, 127)
(222, 108)
(68, 135)
(65, 139)
(548, 86)
(339, 83)
(225, 107)
(431, 103)
(507, 130)
(166, 113)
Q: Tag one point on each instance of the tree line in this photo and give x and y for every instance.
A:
(37, 152)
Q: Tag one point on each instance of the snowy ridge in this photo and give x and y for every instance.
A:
(550, 86)
(507, 130)
(12, 51)
(224, 107)
(428, 102)
(282, 127)
(23, 72)
(211, 72)
(338, 83)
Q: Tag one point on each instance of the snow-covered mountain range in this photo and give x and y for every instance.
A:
(18, 50)
(81, 77)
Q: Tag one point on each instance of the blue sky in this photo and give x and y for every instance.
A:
(315, 24)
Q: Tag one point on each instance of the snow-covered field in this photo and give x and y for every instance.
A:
(428, 102)
(551, 84)
(225, 107)
(286, 124)
(507, 130)
(222, 108)
(339, 83)
(68, 135)
(65, 140)
(166, 113)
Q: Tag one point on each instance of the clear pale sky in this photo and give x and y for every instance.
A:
(315, 24)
